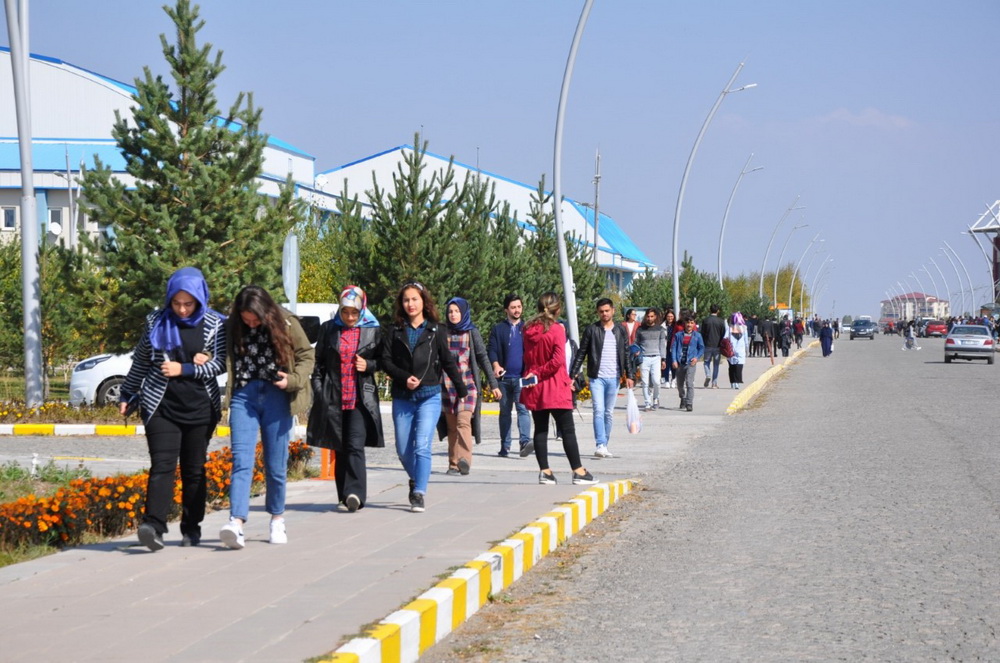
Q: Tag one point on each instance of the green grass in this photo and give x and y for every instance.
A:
(16, 481)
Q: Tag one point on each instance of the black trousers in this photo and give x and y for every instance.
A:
(736, 374)
(349, 466)
(170, 442)
(564, 421)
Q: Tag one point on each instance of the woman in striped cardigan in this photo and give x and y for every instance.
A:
(173, 376)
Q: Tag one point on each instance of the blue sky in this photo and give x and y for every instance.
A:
(881, 116)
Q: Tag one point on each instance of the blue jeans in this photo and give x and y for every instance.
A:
(711, 358)
(510, 397)
(259, 407)
(415, 421)
(603, 392)
(651, 379)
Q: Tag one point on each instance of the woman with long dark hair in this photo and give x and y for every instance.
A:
(345, 415)
(270, 362)
(173, 376)
(552, 394)
(415, 355)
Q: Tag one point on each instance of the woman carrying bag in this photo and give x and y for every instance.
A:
(345, 414)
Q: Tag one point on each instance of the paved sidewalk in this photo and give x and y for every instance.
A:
(339, 572)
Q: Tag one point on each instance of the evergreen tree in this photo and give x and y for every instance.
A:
(195, 199)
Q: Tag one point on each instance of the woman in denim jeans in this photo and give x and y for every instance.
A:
(415, 354)
(270, 363)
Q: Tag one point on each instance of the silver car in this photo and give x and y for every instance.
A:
(969, 342)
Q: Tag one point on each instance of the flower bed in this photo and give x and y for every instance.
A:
(112, 506)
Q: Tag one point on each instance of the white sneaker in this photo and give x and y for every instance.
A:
(231, 535)
(278, 533)
(602, 452)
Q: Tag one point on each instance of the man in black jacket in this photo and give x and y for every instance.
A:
(604, 346)
(713, 328)
(506, 352)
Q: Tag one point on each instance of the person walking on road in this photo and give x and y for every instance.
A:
(603, 346)
(670, 327)
(630, 324)
(345, 415)
(270, 364)
(505, 350)
(652, 341)
(461, 415)
(739, 341)
(415, 355)
(552, 395)
(713, 328)
(826, 339)
(173, 379)
(688, 349)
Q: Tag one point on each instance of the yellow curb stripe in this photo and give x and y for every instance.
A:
(108, 429)
(407, 633)
(34, 429)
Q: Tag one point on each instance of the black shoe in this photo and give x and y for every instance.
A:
(547, 478)
(527, 449)
(416, 502)
(189, 540)
(149, 537)
(503, 453)
(689, 407)
(463, 466)
(583, 479)
(453, 471)
(353, 503)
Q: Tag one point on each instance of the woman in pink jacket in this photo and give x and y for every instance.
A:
(545, 359)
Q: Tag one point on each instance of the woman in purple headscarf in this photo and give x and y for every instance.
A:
(173, 378)
(461, 414)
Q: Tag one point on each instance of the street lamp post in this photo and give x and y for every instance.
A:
(937, 295)
(763, 265)
(819, 271)
(684, 177)
(722, 233)
(989, 263)
(972, 294)
(921, 286)
(569, 289)
(961, 285)
(780, 256)
(944, 282)
(805, 275)
(791, 283)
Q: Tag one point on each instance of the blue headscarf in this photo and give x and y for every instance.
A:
(165, 335)
(354, 297)
(465, 324)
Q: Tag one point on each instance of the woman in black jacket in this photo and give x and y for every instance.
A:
(345, 414)
(414, 354)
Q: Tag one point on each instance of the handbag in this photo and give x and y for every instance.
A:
(633, 419)
(726, 347)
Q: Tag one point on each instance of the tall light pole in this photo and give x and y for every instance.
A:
(684, 177)
(892, 305)
(780, 256)
(819, 271)
(905, 299)
(805, 275)
(791, 283)
(763, 265)
(944, 282)
(958, 275)
(20, 58)
(989, 263)
(972, 294)
(569, 289)
(597, 205)
(921, 286)
(937, 294)
(722, 233)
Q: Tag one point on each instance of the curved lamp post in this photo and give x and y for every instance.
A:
(780, 256)
(819, 272)
(944, 282)
(684, 177)
(722, 233)
(972, 293)
(989, 263)
(805, 275)
(763, 265)
(921, 286)
(961, 284)
(569, 289)
(937, 294)
(791, 284)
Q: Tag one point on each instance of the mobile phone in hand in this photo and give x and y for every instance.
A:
(529, 382)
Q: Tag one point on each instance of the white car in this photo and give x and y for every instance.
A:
(98, 380)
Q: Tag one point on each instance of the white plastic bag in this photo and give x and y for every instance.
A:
(633, 419)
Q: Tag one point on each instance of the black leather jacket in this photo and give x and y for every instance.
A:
(427, 360)
(592, 345)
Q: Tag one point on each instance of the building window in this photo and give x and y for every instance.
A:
(9, 218)
(55, 217)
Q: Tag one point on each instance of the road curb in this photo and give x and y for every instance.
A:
(748, 393)
(407, 633)
(109, 430)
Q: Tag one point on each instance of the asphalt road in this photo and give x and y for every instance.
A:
(852, 514)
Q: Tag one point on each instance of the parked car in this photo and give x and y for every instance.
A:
(969, 342)
(863, 329)
(937, 328)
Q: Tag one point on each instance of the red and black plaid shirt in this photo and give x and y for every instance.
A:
(349, 338)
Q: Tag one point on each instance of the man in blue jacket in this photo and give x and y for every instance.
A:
(688, 348)
(505, 349)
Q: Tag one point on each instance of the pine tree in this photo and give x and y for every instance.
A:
(195, 200)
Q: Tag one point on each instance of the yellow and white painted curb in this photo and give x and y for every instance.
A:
(406, 634)
(749, 392)
(83, 429)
